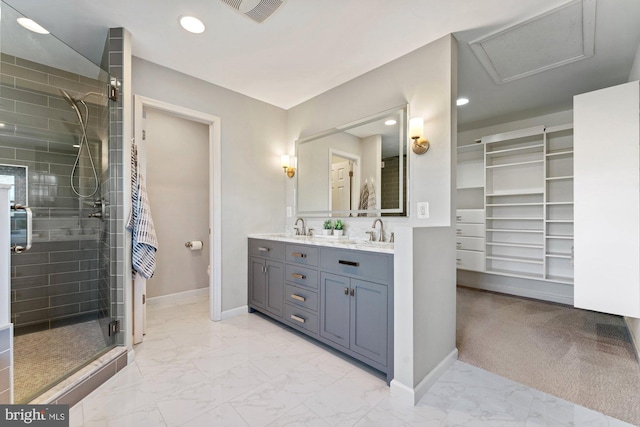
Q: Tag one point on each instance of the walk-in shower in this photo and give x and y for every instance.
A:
(55, 149)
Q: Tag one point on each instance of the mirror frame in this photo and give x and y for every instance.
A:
(403, 148)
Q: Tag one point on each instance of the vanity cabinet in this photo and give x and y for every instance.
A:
(356, 305)
(266, 276)
(341, 297)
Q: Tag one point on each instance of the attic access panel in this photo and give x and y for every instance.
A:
(555, 38)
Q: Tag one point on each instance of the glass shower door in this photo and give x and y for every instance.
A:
(54, 148)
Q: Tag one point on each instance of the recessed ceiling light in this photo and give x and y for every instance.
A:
(32, 25)
(462, 101)
(390, 122)
(192, 24)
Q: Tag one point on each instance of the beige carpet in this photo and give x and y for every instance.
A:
(580, 356)
(43, 358)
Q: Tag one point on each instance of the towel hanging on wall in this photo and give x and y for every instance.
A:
(143, 234)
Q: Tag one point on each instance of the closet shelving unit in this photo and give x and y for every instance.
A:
(526, 202)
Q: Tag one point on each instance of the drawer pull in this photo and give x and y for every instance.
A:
(346, 291)
(458, 260)
(351, 263)
(263, 249)
(298, 255)
(298, 318)
(298, 297)
(458, 218)
(459, 244)
(298, 276)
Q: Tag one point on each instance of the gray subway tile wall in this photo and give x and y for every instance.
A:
(391, 182)
(56, 282)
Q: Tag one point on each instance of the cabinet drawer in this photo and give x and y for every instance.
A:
(470, 260)
(266, 249)
(301, 319)
(470, 243)
(301, 297)
(470, 230)
(302, 254)
(470, 215)
(301, 276)
(369, 265)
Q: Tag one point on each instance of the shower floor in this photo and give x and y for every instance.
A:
(42, 358)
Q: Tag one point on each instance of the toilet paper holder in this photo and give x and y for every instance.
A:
(191, 244)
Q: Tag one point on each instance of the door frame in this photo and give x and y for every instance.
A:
(215, 186)
(356, 173)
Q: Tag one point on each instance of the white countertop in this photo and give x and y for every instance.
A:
(342, 242)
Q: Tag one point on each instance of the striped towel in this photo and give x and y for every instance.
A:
(371, 200)
(143, 234)
(364, 197)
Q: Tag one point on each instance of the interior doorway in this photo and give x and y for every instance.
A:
(184, 178)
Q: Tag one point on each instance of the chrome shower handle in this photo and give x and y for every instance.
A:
(19, 249)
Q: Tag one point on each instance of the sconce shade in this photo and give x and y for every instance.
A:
(416, 132)
(416, 128)
(285, 162)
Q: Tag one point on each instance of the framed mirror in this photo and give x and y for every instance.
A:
(355, 170)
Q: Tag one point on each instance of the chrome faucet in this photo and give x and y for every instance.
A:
(378, 220)
(299, 231)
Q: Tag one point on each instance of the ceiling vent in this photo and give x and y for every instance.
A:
(258, 10)
(553, 39)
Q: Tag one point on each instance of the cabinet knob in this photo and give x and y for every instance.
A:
(353, 292)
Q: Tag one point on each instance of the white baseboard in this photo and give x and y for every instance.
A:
(178, 297)
(234, 312)
(635, 339)
(510, 290)
(413, 395)
(427, 382)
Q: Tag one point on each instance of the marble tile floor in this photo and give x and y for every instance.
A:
(250, 371)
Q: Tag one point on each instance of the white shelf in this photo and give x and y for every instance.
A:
(471, 187)
(517, 193)
(560, 279)
(514, 218)
(509, 165)
(515, 245)
(517, 150)
(560, 178)
(559, 203)
(516, 259)
(560, 237)
(497, 205)
(513, 274)
(560, 153)
(559, 255)
(565, 221)
(508, 230)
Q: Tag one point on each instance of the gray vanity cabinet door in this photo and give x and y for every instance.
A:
(267, 285)
(275, 287)
(369, 320)
(258, 283)
(335, 308)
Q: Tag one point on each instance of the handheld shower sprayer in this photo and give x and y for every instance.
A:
(83, 140)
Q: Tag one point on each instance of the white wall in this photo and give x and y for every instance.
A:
(426, 79)
(253, 184)
(633, 323)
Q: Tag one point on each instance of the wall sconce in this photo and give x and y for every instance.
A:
(416, 132)
(285, 163)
